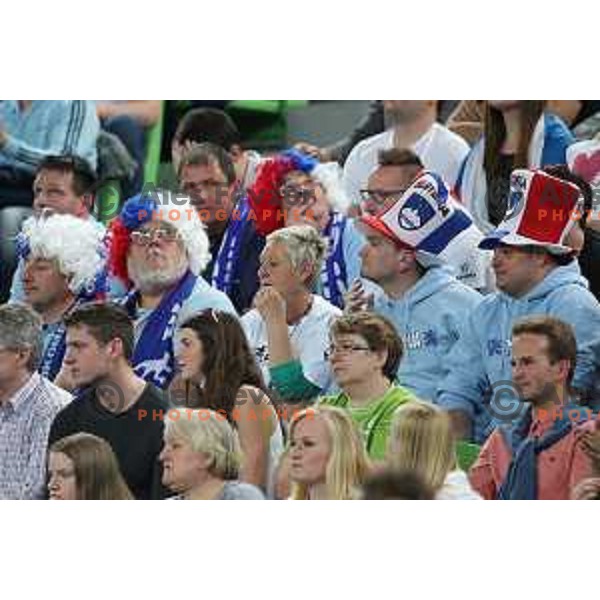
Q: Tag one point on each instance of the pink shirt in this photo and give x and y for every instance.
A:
(560, 468)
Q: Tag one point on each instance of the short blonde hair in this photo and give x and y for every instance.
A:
(209, 433)
(421, 440)
(348, 464)
(304, 244)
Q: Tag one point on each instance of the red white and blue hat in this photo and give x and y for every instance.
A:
(541, 211)
(428, 219)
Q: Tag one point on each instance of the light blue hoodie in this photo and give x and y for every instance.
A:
(482, 358)
(428, 318)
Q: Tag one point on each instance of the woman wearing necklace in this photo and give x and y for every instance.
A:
(217, 370)
(364, 354)
(201, 458)
(287, 329)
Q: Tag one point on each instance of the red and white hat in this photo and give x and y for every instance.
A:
(541, 211)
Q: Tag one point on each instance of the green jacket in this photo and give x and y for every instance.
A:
(375, 419)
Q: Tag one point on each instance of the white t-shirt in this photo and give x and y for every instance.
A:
(439, 149)
(309, 338)
(457, 487)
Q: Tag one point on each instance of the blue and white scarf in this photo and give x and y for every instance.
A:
(228, 259)
(334, 277)
(153, 357)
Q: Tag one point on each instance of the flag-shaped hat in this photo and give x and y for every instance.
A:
(541, 211)
(428, 219)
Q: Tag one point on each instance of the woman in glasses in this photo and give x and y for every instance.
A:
(84, 467)
(294, 189)
(217, 370)
(422, 442)
(201, 458)
(326, 455)
(364, 355)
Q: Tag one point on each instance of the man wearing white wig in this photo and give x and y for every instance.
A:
(409, 247)
(65, 266)
(158, 248)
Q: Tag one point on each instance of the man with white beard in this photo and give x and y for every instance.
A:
(158, 248)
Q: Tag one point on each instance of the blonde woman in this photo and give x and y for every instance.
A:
(422, 441)
(326, 454)
(201, 457)
(83, 466)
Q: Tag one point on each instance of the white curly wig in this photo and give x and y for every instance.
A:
(77, 245)
(329, 175)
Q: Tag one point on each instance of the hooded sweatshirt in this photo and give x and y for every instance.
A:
(481, 360)
(428, 318)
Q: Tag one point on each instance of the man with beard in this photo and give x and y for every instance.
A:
(158, 248)
(113, 402)
(411, 125)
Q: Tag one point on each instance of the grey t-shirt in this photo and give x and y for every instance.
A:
(235, 490)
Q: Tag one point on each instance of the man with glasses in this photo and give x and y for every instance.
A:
(396, 170)
(158, 248)
(28, 405)
(207, 175)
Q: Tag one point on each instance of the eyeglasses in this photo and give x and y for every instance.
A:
(346, 349)
(381, 196)
(161, 234)
(298, 194)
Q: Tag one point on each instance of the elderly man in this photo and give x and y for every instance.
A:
(158, 248)
(28, 405)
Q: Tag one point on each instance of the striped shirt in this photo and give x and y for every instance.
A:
(48, 127)
(25, 421)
